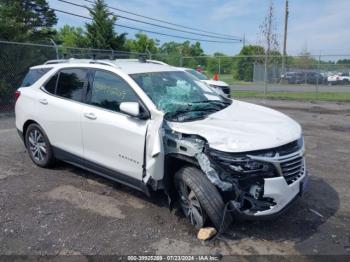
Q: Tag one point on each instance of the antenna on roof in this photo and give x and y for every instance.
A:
(94, 56)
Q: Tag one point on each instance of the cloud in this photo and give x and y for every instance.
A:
(323, 27)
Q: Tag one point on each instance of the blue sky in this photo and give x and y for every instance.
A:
(318, 25)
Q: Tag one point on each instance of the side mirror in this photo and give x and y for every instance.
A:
(130, 108)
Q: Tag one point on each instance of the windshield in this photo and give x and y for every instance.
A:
(197, 74)
(179, 95)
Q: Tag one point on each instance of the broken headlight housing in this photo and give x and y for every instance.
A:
(241, 164)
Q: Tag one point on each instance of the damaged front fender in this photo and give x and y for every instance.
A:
(193, 146)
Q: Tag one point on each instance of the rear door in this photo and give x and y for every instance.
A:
(112, 139)
(59, 109)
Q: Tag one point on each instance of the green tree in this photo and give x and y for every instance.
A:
(245, 60)
(26, 20)
(226, 63)
(173, 51)
(343, 61)
(100, 32)
(71, 36)
(305, 60)
(142, 44)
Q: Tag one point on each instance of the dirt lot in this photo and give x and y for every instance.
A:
(66, 210)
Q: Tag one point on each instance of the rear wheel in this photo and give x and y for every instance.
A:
(38, 146)
(199, 198)
(346, 82)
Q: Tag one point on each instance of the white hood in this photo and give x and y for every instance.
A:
(215, 83)
(243, 127)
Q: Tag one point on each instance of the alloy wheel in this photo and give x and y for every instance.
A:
(37, 145)
(190, 205)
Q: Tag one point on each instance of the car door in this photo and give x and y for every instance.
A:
(59, 110)
(112, 139)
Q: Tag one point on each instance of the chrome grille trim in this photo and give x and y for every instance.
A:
(291, 166)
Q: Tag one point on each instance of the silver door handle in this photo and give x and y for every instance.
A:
(91, 116)
(43, 101)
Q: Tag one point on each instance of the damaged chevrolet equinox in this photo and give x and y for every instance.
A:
(154, 127)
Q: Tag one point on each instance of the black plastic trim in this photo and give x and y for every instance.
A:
(242, 216)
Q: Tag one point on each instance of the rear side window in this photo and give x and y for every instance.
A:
(34, 75)
(51, 85)
(71, 83)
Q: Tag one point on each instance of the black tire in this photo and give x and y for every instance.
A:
(37, 141)
(346, 82)
(207, 194)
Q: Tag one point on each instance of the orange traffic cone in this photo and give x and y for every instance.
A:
(216, 77)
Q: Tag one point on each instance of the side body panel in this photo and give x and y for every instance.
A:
(114, 140)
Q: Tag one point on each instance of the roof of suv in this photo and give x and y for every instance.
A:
(129, 66)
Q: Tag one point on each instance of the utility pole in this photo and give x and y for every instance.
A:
(268, 49)
(285, 37)
(56, 48)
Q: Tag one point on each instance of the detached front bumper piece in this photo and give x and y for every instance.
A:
(282, 193)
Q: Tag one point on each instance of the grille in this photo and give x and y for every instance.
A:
(292, 169)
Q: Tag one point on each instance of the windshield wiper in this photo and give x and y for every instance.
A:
(183, 115)
(210, 102)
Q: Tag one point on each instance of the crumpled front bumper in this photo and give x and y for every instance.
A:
(282, 193)
(284, 196)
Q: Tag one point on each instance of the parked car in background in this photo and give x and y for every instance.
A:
(294, 77)
(219, 86)
(315, 78)
(339, 79)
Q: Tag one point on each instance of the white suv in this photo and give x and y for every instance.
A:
(220, 87)
(154, 127)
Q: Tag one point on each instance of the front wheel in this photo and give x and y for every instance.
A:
(199, 198)
(38, 146)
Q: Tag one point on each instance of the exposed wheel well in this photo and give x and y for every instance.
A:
(173, 163)
(25, 127)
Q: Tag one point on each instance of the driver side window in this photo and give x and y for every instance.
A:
(109, 90)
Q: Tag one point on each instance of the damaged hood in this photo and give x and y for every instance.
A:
(243, 127)
(215, 82)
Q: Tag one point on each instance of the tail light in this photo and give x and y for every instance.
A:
(17, 94)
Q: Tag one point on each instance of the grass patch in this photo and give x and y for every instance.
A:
(323, 96)
(228, 78)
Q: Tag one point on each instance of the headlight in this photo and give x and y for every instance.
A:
(241, 164)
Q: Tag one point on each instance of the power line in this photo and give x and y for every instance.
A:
(152, 32)
(157, 25)
(162, 21)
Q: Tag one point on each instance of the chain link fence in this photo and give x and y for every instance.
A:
(247, 75)
(307, 77)
(17, 58)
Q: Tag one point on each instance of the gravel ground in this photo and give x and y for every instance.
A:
(66, 210)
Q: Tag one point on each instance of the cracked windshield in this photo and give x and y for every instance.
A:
(179, 95)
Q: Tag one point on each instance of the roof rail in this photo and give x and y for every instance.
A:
(73, 60)
(157, 62)
(113, 63)
(101, 62)
(50, 62)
